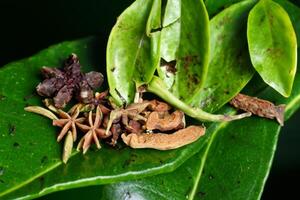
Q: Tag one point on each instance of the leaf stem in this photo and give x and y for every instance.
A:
(157, 87)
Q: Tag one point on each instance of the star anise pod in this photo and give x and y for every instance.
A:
(92, 131)
(63, 84)
(68, 122)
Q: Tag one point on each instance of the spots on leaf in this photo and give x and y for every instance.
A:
(2, 170)
(11, 129)
(44, 159)
(2, 97)
(16, 145)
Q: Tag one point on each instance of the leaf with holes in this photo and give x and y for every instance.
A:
(184, 47)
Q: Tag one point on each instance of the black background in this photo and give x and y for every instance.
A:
(30, 26)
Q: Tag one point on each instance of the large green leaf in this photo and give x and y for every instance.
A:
(229, 67)
(185, 42)
(294, 14)
(233, 165)
(215, 6)
(29, 151)
(273, 45)
(132, 49)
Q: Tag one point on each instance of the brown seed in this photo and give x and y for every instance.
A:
(163, 141)
(259, 107)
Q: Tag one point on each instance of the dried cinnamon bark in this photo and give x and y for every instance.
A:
(259, 107)
(164, 121)
(163, 141)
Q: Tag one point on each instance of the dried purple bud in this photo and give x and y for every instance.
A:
(94, 79)
(85, 94)
(63, 97)
(49, 72)
(64, 84)
(47, 88)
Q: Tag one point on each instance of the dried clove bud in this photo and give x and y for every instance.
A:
(259, 107)
(163, 141)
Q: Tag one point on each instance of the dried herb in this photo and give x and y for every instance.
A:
(92, 131)
(63, 84)
(68, 146)
(41, 111)
(162, 141)
(164, 121)
(259, 107)
(68, 122)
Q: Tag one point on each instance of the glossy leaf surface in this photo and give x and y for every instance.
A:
(185, 42)
(273, 45)
(233, 165)
(229, 67)
(132, 54)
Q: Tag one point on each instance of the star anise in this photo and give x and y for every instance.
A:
(92, 131)
(68, 122)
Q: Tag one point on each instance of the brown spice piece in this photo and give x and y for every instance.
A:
(63, 84)
(116, 131)
(68, 122)
(133, 111)
(163, 141)
(92, 131)
(159, 106)
(259, 107)
(134, 127)
(164, 121)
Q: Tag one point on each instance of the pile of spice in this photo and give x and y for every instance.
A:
(146, 124)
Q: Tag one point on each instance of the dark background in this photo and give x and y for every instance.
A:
(30, 26)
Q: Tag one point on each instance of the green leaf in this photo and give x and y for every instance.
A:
(294, 14)
(229, 67)
(132, 50)
(215, 6)
(234, 164)
(30, 157)
(273, 45)
(185, 42)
